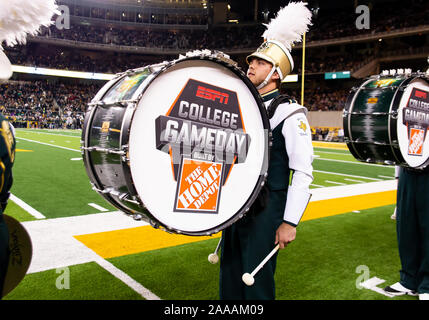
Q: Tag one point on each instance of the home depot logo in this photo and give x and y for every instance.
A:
(204, 134)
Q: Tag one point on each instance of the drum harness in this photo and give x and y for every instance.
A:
(262, 200)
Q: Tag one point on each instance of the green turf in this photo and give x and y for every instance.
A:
(17, 212)
(86, 282)
(320, 265)
(49, 181)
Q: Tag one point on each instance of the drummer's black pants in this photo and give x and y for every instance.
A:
(244, 245)
(4, 251)
(412, 224)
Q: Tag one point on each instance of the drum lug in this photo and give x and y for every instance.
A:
(137, 216)
(394, 115)
(104, 150)
(154, 224)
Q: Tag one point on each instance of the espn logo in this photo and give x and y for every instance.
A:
(421, 94)
(212, 95)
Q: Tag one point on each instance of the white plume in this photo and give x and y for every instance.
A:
(289, 25)
(19, 18)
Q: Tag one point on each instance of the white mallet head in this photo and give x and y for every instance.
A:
(248, 279)
(213, 258)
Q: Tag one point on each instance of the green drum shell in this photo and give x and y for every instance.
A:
(104, 143)
(370, 120)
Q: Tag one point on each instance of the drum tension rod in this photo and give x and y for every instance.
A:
(105, 150)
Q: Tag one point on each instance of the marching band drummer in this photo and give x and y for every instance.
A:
(247, 242)
(7, 157)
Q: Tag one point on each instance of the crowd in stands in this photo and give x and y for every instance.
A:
(44, 104)
(383, 17)
(59, 105)
(327, 25)
(75, 60)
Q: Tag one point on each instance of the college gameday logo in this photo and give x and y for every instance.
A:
(416, 118)
(204, 134)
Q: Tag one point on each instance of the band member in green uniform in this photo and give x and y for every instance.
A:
(7, 157)
(247, 242)
(13, 30)
(412, 229)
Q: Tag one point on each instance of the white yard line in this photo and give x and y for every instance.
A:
(387, 177)
(96, 206)
(27, 207)
(333, 182)
(54, 244)
(125, 278)
(48, 144)
(353, 180)
(347, 175)
(351, 190)
(52, 134)
(356, 162)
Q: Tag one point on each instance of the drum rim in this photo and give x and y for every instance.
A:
(266, 124)
(411, 79)
(155, 222)
(394, 106)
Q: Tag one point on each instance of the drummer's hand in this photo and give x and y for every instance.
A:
(285, 234)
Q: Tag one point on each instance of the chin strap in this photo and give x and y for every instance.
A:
(264, 83)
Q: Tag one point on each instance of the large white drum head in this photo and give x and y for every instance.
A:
(196, 101)
(413, 122)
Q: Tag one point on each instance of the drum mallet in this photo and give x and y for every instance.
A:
(248, 278)
(213, 257)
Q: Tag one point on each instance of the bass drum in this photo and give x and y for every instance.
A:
(183, 145)
(386, 120)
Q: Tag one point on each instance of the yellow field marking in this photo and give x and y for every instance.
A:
(135, 240)
(22, 150)
(330, 145)
(117, 243)
(331, 207)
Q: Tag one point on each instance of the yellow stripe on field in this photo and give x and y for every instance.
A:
(331, 207)
(23, 150)
(330, 145)
(117, 243)
(135, 240)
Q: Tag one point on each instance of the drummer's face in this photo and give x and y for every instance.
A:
(258, 70)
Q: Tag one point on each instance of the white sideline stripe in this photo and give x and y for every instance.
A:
(54, 244)
(347, 175)
(387, 177)
(352, 190)
(353, 180)
(48, 144)
(346, 152)
(125, 278)
(333, 182)
(75, 159)
(355, 162)
(53, 134)
(27, 207)
(316, 185)
(96, 206)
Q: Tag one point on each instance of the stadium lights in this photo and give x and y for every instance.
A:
(62, 73)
